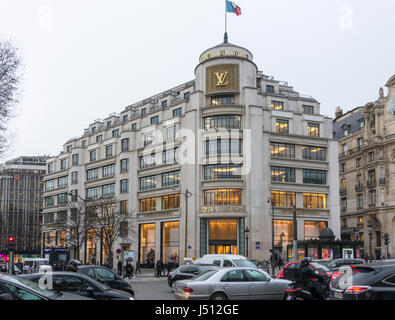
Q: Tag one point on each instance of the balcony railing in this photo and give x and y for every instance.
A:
(382, 181)
(358, 187)
(371, 183)
(343, 191)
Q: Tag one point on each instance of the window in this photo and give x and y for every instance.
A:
(92, 156)
(92, 174)
(69, 148)
(148, 139)
(125, 118)
(358, 162)
(222, 171)
(277, 105)
(109, 151)
(62, 182)
(74, 177)
(115, 133)
(360, 143)
(108, 124)
(124, 165)
(99, 138)
(62, 198)
(269, 89)
(222, 100)
(361, 124)
(147, 183)
(164, 104)
(74, 195)
(223, 146)
(143, 112)
(92, 193)
(372, 177)
(155, 120)
(187, 95)
(280, 174)
(125, 144)
(344, 204)
(109, 190)
(314, 153)
(282, 150)
(134, 127)
(313, 200)
(378, 239)
(124, 186)
(84, 143)
(371, 156)
(343, 167)
(124, 206)
(222, 197)
(359, 201)
(307, 109)
(171, 133)
(222, 122)
(75, 158)
(372, 197)
(255, 276)
(171, 201)
(314, 176)
(147, 204)
(170, 178)
(93, 129)
(109, 171)
(49, 201)
(63, 164)
(346, 132)
(177, 112)
(282, 126)
(50, 167)
(313, 129)
(234, 276)
(49, 185)
(170, 156)
(283, 199)
(147, 161)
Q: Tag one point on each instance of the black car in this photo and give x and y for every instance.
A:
(77, 283)
(365, 282)
(335, 264)
(17, 288)
(107, 277)
(186, 272)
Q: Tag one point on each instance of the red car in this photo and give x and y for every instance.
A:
(316, 266)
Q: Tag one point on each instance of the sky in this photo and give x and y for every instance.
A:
(83, 60)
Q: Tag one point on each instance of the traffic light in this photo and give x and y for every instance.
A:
(386, 239)
(11, 242)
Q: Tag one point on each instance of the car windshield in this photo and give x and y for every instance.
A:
(244, 263)
(321, 266)
(206, 268)
(34, 286)
(204, 276)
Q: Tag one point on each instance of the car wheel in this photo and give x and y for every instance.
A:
(173, 286)
(218, 296)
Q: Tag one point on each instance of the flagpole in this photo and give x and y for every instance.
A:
(226, 22)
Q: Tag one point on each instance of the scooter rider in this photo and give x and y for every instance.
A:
(309, 276)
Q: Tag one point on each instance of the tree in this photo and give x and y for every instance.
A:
(10, 78)
(111, 222)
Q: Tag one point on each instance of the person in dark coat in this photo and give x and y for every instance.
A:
(128, 269)
(158, 268)
(162, 268)
(119, 267)
(168, 267)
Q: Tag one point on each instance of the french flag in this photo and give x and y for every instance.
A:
(233, 7)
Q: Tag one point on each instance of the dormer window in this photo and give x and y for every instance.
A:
(108, 124)
(345, 132)
(361, 124)
(164, 104)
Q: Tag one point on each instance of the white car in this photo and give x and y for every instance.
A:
(226, 260)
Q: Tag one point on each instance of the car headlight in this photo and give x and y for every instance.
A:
(131, 298)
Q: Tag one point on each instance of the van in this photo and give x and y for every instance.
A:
(30, 263)
(227, 260)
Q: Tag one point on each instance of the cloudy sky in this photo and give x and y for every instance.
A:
(86, 59)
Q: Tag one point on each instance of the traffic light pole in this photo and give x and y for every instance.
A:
(11, 263)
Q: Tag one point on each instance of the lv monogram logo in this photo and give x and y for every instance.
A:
(223, 78)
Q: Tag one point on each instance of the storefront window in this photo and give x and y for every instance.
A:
(107, 235)
(283, 232)
(170, 241)
(147, 244)
(312, 229)
(91, 246)
(61, 238)
(223, 236)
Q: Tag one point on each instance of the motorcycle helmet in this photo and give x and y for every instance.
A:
(73, 265)
(305, 262)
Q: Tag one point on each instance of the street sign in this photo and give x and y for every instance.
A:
(118, 251)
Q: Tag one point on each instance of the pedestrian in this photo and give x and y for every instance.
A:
(158, 268)
(132, 268)
(138, 267)
(119, 267)
(128, 269)
(168, 267)
(162, 268)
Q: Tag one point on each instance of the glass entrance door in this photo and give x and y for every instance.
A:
(223, 249)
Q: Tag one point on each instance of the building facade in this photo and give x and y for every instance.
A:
(215, 165)
(20, 204)
(366, 137)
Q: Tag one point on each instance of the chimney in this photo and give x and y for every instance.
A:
(338, 112)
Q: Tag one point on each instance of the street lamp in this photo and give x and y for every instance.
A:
(370, 229)
(246, 232)
(269, 200)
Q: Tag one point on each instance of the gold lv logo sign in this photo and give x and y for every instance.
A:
(223, 78)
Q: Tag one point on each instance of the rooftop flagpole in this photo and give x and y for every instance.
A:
(226, 22)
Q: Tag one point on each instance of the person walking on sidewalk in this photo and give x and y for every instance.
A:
(120, 267)
(138, 270)
(158, 268)
(128, 269)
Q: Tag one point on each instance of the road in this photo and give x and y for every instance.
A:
(150, 288)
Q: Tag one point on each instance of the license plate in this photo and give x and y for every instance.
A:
(338, 295)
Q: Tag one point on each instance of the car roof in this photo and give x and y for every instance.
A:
(229, 256)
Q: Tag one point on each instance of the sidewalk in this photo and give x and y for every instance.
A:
(147, 275)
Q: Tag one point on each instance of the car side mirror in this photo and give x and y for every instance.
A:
(90, 291)
(6, 296)
(196, 272)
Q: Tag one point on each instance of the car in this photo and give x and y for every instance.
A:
(288, 269)
(186, 272)
(106, 276)
(31, 263)
(336, 264)
(231, 284)
(227, 260)
(366, 282)
(17, 288)
(81, 284)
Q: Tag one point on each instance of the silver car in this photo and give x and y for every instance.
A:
(232, 284)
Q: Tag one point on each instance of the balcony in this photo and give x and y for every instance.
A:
(372, 205)
(382, 181)
(371, 183)
(358, 187)
(360, 225)
(343, 191)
